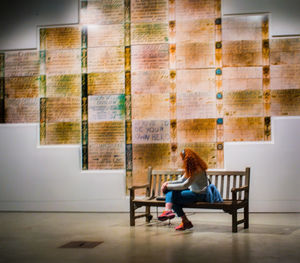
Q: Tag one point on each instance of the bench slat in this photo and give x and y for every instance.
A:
(234, 182)
(240, 185)
(222, 185)
(159, 184)
(228, 185)
(154, 185)
(167, 172)
(226, 172)
(217, 180)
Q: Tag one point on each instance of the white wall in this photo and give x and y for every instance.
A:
(275, 167)
(36, 178)
(285, 15)
(19, 20)
(49, 178)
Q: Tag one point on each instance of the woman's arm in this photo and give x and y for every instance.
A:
(181, 186)
(181, 180)
(178, 181)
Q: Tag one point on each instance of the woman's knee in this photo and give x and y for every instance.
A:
(169, 197)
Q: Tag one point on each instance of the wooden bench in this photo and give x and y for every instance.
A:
(233, 187)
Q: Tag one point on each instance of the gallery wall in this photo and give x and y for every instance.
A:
(49, 177)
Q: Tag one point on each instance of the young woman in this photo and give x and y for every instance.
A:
(189, 188)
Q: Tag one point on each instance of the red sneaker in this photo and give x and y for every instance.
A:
(184, 226)
(166, 215)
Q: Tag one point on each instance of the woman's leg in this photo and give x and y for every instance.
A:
(181, 198)
(169, 200)
(167, 213)
(174, 199)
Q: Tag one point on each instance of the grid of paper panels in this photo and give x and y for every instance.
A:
(137, 81)
(19, 86)
(245, 78)
(60, 85)
(104, 71)
(172, 83)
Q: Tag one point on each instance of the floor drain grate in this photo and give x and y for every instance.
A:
(81, 244)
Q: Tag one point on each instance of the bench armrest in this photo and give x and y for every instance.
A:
(240, 189)
(138, 186)
(134, 187)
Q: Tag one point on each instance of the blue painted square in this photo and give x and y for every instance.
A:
(220, 121)
(219, 71)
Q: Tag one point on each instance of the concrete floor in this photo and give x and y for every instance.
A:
(35, 237)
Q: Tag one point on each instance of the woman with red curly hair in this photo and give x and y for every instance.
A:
(189, 188)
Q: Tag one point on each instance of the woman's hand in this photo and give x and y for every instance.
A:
(164, 187)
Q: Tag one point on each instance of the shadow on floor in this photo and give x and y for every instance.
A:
(217, 228)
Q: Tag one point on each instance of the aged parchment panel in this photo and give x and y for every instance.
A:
(192, 10)
(285, 51)
(60, 62)
(243, 129)
(62, 38)
(285, 102)
(22, 87)
(145, 33)
(102, 12)
(63, 133)
(154, 81)
(153, 131)
(105, 59)
(149, 57)
(106, 83)
(106, 108)
(242, 27)
(195, 55)
(63, 85)
(149, 11)
(106, 156)
(22, 63)
(198, 30)
(145, 155)
(243, 103)
(196, 105)
(106, 132)
(22, 110)
(105, 35)
(242, 78)
(150, 107)
(196, 130)
(63, 110)
(241, 53)
(195, 80)
(283, 77)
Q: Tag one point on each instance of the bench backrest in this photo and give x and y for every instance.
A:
(223, 180)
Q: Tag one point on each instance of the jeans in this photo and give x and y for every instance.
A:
(182, 197)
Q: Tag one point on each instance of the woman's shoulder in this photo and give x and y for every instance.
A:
(200, 172)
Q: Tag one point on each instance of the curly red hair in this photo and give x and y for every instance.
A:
(191, 162)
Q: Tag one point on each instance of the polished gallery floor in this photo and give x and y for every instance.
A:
(37, 237)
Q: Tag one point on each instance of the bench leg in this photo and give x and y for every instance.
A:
(148, 215)
(132, 214)
(246, 216)
(234, 220)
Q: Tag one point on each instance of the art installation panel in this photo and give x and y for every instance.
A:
(60, 85)
(137, 81)
(20, 75)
